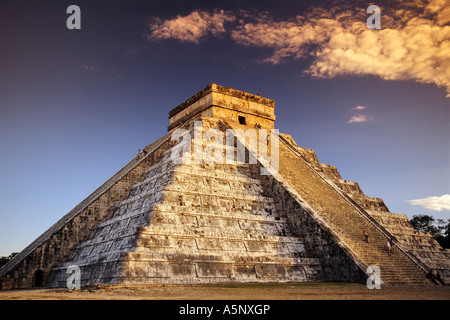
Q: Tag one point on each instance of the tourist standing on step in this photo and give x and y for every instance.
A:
(366, 236)
(389, 246)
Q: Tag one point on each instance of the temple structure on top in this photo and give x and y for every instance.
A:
(228, 104)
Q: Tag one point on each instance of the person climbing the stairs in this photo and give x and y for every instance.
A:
(366, 236)
(389, 246)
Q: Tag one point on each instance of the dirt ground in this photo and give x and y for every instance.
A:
(289, 291)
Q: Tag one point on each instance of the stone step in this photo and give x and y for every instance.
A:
(218, 233)
(343, 218)
(219, 257)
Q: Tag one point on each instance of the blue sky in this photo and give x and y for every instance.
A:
(76, 105)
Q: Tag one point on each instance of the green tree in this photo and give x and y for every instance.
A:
(425, 223)
(445, 230)
(439, 229)
(4, 260)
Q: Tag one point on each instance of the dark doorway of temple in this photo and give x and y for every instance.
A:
(38, 278)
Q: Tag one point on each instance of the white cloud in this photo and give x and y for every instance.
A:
(433, 203)
(359, 108)
(359, 118)
(420, 50)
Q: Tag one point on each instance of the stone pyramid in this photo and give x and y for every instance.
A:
(194, 209)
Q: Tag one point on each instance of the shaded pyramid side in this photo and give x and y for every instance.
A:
(207, 223)
(421, 245)
(349, 221)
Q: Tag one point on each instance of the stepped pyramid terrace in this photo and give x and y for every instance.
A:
(216, 200)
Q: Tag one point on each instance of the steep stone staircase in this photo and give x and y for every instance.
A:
(347, 222)
(217, 227)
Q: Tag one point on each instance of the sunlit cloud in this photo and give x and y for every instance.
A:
(359, 108)
(413, 43)
(359, 118)
(191, 28)
(433, 203)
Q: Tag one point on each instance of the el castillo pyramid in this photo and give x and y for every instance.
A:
(187, 211)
